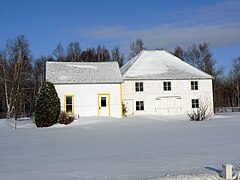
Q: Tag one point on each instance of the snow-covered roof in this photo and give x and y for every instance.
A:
(160, 64)
(83, 72)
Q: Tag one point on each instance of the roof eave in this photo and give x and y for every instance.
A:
(132, 79)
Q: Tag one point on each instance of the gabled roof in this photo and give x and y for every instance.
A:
(162, 65)
(83, 72)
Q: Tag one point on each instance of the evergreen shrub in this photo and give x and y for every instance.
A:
(47, 106)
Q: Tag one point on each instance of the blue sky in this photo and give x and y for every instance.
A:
(160, 23)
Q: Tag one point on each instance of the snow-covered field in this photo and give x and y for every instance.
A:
(140, 147)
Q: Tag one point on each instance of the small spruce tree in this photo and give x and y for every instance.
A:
(47, 106)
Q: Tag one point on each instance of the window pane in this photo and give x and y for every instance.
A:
(136, 87)
(167, 86)
(137, 108)
(192, 87)
(164, 86)
(68, 108)
(195, 103)
(139, 105)
(69, 100)
(141, 86)
(142, 105)
(196, 85)
(103, 102)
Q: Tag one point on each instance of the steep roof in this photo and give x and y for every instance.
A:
(83, 72)
(160, 64)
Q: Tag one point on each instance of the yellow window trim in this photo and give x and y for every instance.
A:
(72, 95)
(104, 94)
(121, 113)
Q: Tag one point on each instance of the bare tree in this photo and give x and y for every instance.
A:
(74, 52)
(136, 47)
(179, 52)
(102, 54)
(203, 112)
(2, 84)
(234, 78)
(88, 55)
(117, 56)
(58, 53)
(16, 73)
(200, 56)
(38, 78)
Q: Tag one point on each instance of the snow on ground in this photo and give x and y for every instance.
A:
(139, 147)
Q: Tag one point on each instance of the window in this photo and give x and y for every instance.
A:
(139, 86)
(139, 105)
(103, 102)
(167, 86)
(194, 85)
(68, 103)
(195, 103)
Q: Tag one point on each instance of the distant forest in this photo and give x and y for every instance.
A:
(21, 75)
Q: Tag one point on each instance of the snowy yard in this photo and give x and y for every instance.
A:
(131, 148)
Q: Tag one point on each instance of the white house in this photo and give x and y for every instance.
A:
(87, 89)
(157, 82)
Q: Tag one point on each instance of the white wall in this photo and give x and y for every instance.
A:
(181, 95)
(86, 98)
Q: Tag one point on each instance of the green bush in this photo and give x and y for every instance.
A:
(47, 106)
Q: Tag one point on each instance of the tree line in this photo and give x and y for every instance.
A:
(21, 75)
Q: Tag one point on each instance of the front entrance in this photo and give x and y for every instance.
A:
(103, 104)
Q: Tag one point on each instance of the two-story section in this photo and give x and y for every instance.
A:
(157, 82)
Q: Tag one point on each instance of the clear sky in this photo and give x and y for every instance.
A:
(160, 24)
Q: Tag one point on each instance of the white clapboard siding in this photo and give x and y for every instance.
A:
(158, 101)
(86, 98)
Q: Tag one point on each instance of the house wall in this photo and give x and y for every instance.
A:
(86, 98)
(158, 101)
